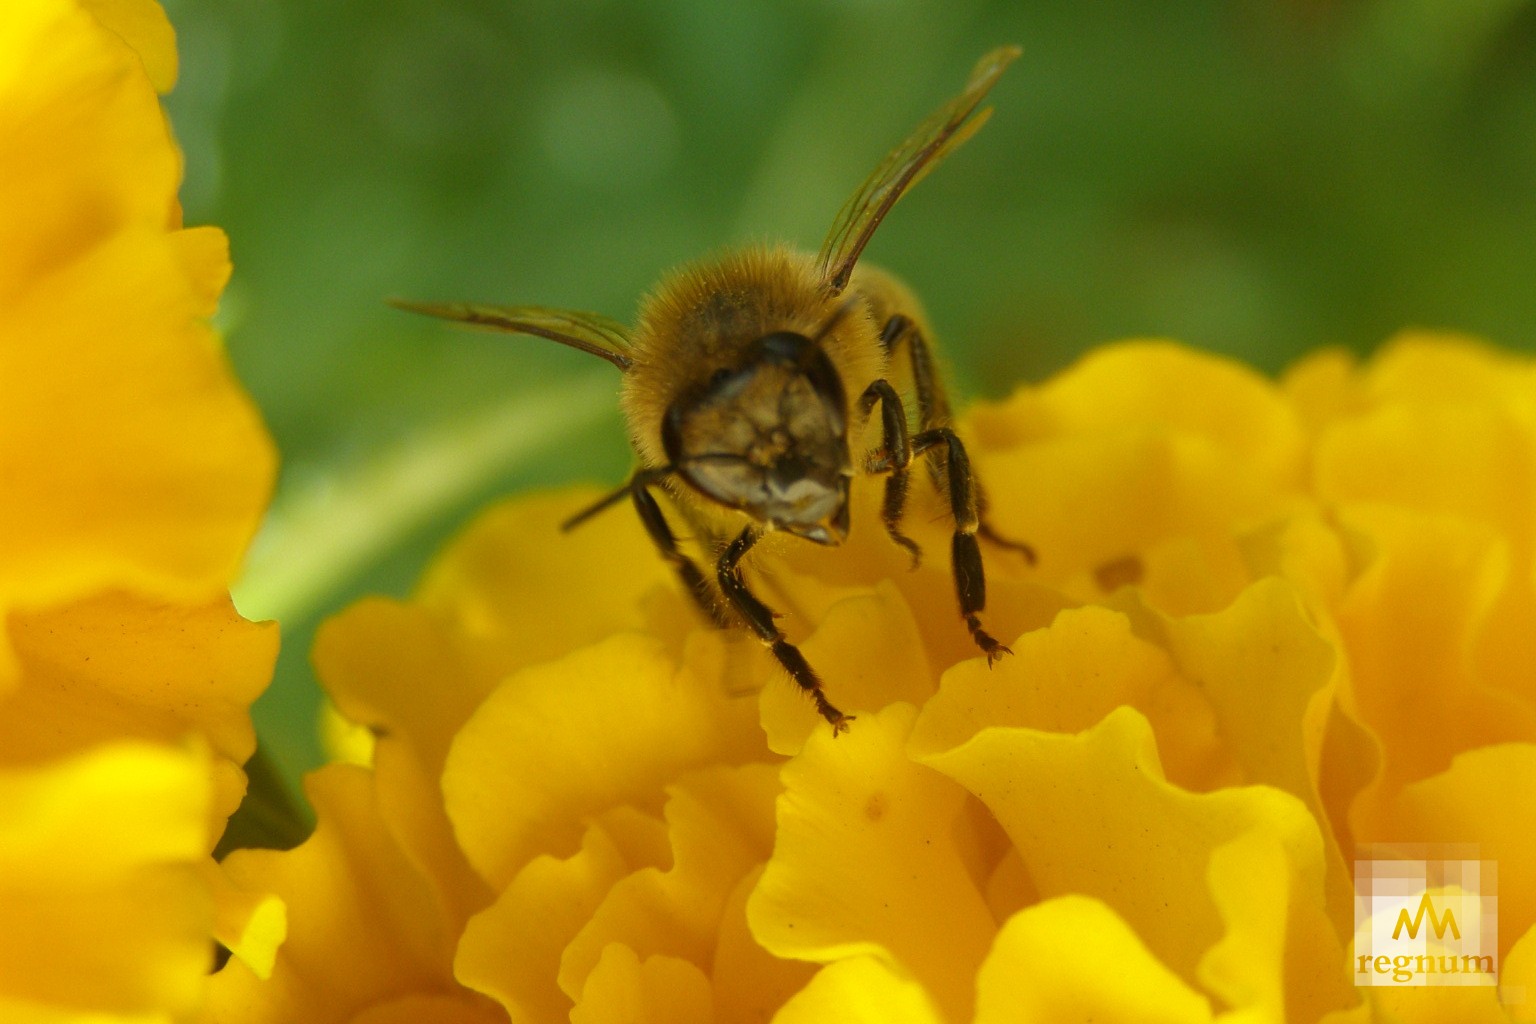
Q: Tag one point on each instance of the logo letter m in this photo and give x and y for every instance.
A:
(1439, 924)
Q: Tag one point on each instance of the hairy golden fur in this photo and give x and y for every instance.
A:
(706, 316)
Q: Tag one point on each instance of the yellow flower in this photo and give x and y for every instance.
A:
(1271, 623)
(134, 471)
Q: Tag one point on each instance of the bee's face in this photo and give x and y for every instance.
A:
(769, 436)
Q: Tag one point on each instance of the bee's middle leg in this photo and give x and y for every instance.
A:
(897, 453)
(759, 618)
(933, 411)
(965, 554)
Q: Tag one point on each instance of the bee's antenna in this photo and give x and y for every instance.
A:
(642, 478)
(587, 332)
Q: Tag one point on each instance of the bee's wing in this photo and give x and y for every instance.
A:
(590, 332)
(904, 167)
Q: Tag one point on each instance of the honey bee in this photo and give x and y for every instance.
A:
(745, 377)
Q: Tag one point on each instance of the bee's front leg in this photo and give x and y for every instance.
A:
(638, 489)
(759, 618)
(894, 457)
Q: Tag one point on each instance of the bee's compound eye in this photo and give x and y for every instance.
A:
(729, 479)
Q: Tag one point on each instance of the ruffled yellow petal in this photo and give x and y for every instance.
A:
(1482, 798)
(134, 472)
(751, 983)
(103, 906)
(142, 24)
(1065, 679)
(1427, 367)
(1410, 624)
(867, 864)
(117, 666)
(1280, 958)
(623, 989)
(1092, 814)
(84, 141)
(1504, 650)
(1112, 457)
(1473, 462)
(344, 740)
(1270, 676)
(1324, 386)
(395, 671)
(364, 925)
(513, 589)
(1072, 959)
(721, 827)
(1265, 669)
(511, 951)
(1185, 575)
(607, 725)
(1443, 613)
(860, 990)
(134, 460)
(1306, 551)
(251, 925)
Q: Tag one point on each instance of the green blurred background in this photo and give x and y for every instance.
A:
(1254, 178)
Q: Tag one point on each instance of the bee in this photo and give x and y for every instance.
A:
(745, 377)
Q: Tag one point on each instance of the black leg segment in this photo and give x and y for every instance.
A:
(933, 411)
(661, 535)
(932, 404)
(894, 456)
(649, 511)
(965, 554)
(986, 532)
(759, 618)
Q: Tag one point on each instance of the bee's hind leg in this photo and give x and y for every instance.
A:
(646, 507)
(985, 531)
(759, 618)
(965, 554)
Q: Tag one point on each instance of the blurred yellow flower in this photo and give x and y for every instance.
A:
(133, 472)
(1271, 623)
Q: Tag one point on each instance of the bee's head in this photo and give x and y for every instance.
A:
(769, 436)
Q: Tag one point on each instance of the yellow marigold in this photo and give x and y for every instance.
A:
(134, 471)
(1270, 624)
